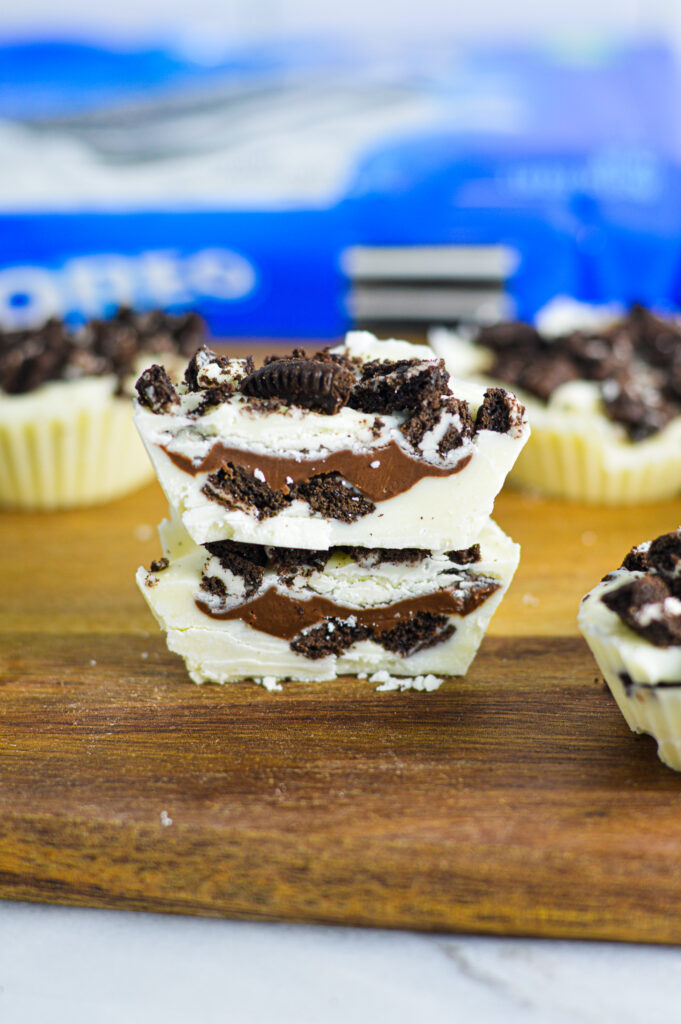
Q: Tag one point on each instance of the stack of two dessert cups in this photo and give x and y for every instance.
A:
(329, 515)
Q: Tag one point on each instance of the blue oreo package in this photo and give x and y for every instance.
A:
(294, 190)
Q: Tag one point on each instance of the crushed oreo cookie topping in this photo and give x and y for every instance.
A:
(420, 388)
(207, 370)
(155, 390)
(323, 386)
(500, 411)
(650, 604)
(54, 351)
(635, 360)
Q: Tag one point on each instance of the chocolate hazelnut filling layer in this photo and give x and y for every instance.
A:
(280, 615)
(380, 473)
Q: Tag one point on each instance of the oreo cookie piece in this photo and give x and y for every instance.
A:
(310, 383)
(664, 556)
(640, 604)
(499, 411)
(155, 390)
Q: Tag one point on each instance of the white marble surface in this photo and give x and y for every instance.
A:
(108, 967)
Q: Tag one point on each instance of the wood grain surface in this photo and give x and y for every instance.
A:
(514, 801)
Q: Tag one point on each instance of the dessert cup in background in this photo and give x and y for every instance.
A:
(632, 623)
(67, 437)
(603, 400)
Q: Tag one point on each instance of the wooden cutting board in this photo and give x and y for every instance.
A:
(514, 801)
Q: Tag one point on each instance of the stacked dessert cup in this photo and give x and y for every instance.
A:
(329, 513)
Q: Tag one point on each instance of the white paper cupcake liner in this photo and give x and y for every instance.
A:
(69, 444)
(586, 462)
(646, 707)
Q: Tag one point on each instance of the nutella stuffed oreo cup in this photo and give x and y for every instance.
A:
(330, 514)
(603, 400)
(632, 622)
(67, 436)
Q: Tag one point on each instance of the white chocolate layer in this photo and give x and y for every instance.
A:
(227, 650)
(436, 512)
(632, 668)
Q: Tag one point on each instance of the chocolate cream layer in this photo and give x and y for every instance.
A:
(280, 615)
(379, 474)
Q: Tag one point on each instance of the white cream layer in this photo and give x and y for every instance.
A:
(437, 512)
(227, 650)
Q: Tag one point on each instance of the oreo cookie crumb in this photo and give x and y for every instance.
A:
(664, 556)
(394, 386)
(511, 334)
(629, 600)
(636, 560)
(53, 351)
(640, 410)
(499, 411)
(197, 375)
(159, 565)
(245, 560)
(333, 636)
(328, 495)
(418, 633)
(473, 591)
(297, 353)
(455, 436)
(235, 487)
(155, 390)
(465, 556)
(545, 373)
(30, 358)
(213, 585)
(290, 562)
(371, 557)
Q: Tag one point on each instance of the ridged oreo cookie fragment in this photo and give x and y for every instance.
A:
(310, 383)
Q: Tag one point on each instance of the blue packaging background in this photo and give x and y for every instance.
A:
(574, 162)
